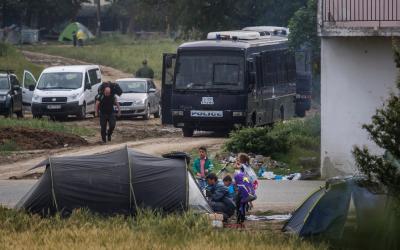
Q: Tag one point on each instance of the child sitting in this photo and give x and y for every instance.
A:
(228, 183)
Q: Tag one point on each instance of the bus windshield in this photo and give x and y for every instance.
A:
(210, 71)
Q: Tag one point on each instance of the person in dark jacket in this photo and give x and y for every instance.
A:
(145, 71)
(219, 197)
(105, 108)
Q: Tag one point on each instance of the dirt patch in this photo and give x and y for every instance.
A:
(108, 73)
(33, 139)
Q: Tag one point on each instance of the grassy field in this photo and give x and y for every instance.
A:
(11, 58)
(123, 53)
(45, 124)
(85, 231)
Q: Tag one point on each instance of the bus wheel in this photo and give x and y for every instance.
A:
(252, 122)
(187, 132)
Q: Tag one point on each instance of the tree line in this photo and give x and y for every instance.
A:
(161, 15)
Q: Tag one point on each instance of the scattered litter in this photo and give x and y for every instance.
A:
(280, 217)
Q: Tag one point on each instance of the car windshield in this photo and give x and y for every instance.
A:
(210, 71)
(4, 84)
(133, 86)
(60, 80)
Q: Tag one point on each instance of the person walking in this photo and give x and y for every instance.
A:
(80, 35)
(105, 109)
(74, 39)
(145, 71)
(202, 166)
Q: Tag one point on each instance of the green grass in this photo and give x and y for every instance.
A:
(120, 52)
(7, 147)
(148, 231)
(45, 124)
(11, 58)
(293, 160)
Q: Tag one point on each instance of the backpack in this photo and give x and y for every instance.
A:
(115, 88)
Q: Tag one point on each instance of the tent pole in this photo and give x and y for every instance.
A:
(52, 185)
(187, 184)
(131, 192)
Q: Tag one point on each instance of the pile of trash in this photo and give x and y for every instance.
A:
(265, 166)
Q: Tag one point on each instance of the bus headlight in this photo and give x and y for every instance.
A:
(238, 114)
(177, 113)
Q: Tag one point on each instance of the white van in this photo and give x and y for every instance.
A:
(65, 90)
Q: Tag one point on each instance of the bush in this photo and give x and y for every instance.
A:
(277, 139)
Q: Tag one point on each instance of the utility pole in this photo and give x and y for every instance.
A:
(98, 12)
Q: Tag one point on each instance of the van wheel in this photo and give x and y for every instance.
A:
(82, 113)
(187, 132)
(158, 113)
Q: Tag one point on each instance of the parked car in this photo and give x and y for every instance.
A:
(140, 98)
(10, 95)
(66, 90)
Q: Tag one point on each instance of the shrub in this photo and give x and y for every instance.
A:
(277, 139)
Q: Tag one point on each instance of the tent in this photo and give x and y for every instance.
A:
(326, 211)
(66, 34)
(118, 182)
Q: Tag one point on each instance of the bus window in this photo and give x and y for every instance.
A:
(210, 71)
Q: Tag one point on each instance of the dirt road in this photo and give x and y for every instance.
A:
(154, 146)
(109, 74)
(148, 136)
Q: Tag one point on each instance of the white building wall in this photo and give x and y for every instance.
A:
(357, 74)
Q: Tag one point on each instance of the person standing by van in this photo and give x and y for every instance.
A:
(105, 108)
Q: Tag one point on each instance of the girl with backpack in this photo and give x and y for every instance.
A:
(245, 195)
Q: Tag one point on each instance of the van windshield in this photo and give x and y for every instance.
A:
(4, 84)
(210, 71)
(60, 80)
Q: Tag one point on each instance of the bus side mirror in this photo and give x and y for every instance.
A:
(168, 62)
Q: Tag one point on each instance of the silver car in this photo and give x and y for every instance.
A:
(140, 98)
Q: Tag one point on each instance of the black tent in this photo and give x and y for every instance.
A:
(119, 182)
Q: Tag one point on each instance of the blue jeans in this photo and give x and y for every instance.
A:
(202, 183)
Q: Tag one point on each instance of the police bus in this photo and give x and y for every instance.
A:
(234, 78)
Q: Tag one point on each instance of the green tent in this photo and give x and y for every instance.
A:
(327, 210)
(66, 34)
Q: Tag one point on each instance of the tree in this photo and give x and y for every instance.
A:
(39, 13)
(303, 30)
(206, 16)
(384, 169)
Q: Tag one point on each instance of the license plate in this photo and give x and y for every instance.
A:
(53, 106)
(203, 113)
(125, 108)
